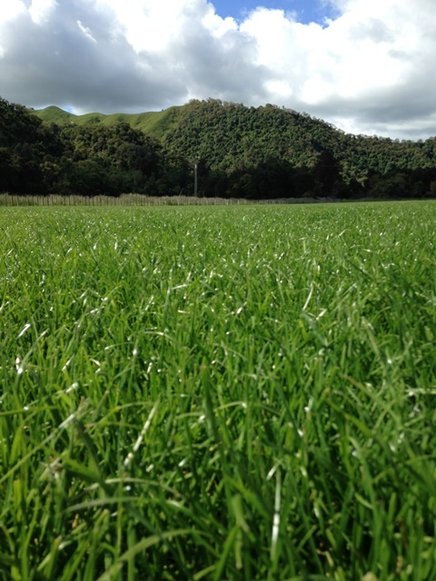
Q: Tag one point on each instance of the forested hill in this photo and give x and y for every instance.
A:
(230, 137)
(264, 152)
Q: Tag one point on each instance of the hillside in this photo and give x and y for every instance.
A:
(239, 151)
(224, 134)
(155, 123)
(228, 135)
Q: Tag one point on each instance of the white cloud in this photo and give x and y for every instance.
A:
(370, 69)
(11, 9)
(41, 10)
(86, 31)
(374, 53)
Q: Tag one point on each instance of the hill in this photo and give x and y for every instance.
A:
(229, 135)
(239, 151)
(155, 123)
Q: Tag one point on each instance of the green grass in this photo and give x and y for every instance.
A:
(156, 123)
(218, 393)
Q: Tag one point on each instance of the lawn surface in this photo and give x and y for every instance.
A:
(219, 393)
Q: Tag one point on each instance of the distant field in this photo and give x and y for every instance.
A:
(232, 392)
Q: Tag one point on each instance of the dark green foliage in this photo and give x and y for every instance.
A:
(265, 152)
(275, 152)
(27, 150)
(91, 160)
(110, 160)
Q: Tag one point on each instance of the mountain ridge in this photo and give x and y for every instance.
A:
(151, 122)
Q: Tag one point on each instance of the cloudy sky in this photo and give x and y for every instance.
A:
(367, 66)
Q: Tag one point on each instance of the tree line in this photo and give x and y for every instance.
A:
(238, 151)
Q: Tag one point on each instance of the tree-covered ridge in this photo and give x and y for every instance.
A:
(230, 135)
(42, 158)
(263, 152)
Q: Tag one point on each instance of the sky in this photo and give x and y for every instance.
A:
(366, 66)
(303, 11)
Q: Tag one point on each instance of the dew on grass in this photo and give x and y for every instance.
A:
(24, 330)
(67, 364)
(308, 407)
(19, 366)
(73, 387)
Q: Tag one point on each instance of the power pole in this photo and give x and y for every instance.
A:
(195, 179)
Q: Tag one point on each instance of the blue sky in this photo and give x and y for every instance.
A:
(306, 10)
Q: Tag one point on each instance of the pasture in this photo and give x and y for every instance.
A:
(231, 392)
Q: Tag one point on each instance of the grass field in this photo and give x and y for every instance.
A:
(218, 393)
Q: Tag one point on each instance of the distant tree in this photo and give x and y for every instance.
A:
(326, 174)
